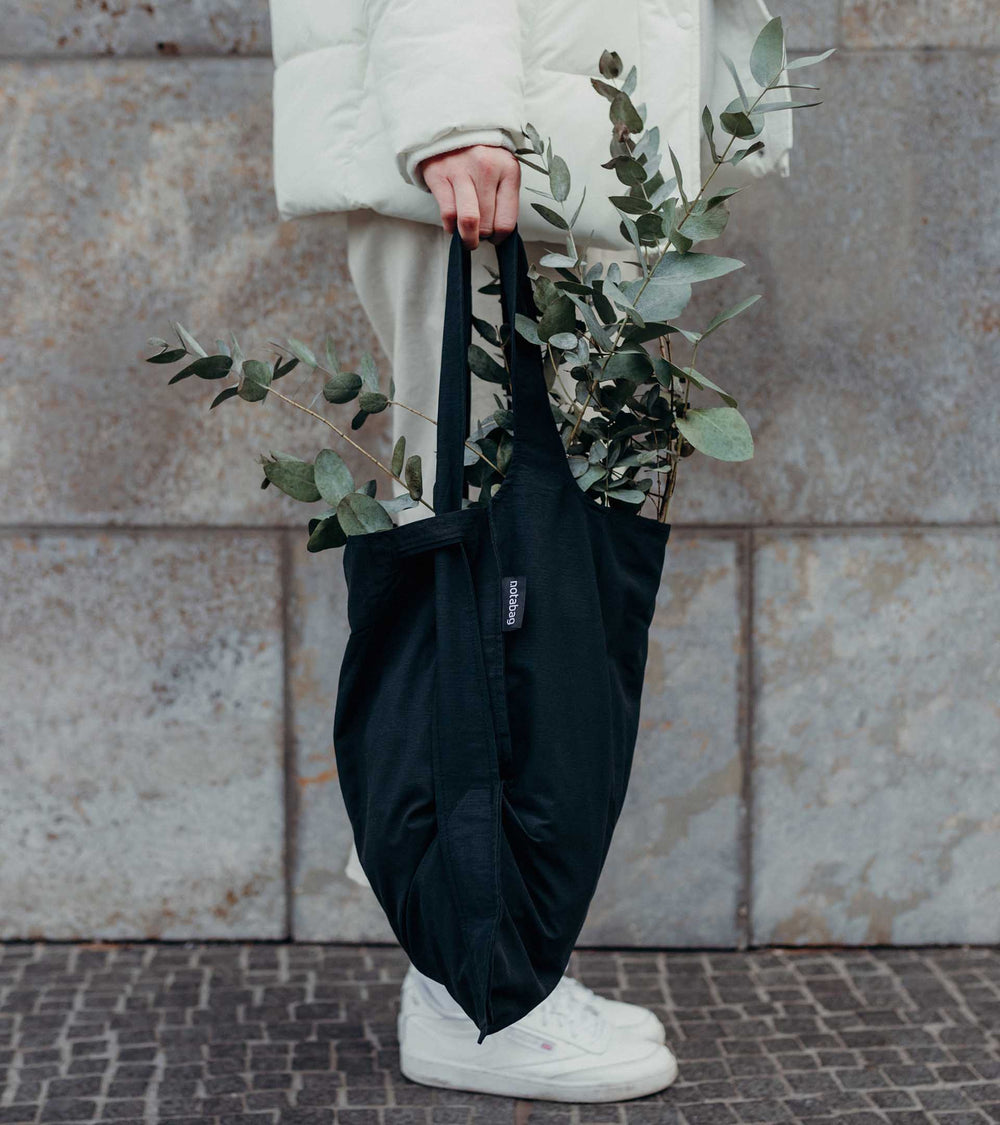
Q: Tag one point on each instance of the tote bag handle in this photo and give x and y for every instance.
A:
(536, 436)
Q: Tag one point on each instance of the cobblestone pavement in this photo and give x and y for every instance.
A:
(251, 1034)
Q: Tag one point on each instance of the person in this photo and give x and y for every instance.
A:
(404, 115)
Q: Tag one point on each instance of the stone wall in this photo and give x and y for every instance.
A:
(820, 739)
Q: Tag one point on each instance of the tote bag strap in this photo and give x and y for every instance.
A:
(536, 436)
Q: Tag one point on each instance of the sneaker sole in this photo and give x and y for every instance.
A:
(456, 1077)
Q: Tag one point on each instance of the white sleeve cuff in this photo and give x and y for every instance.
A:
(449, 142)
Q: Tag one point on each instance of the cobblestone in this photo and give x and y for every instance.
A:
(267, 1034)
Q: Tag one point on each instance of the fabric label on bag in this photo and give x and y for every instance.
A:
(512, 602)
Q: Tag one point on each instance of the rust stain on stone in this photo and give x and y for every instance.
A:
(802, 927)
(234, 897)
(320, 778)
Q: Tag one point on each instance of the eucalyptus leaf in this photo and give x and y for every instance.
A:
(398, 455)
(623, 112)
(372, 402)
(809, 60)
(332, 476)
(692, 268)
(772, 107)
(662, 299)
(559, 179)
(706, 384)
(597, 330)
(256, 379)
(551, 216)
(592, 475)
(718, 431)
(485, 366)
(677, 175)
(471, 453)
(628, 171)
(565, 340)
(722, 317)
(325, 534)
(610, 64)
(413, 476)
(558, 261)
(486, 330)
(368, 371)
(662, 192)
(399, 503)
(360, 514)
(188, 341)
(767, 54)
(631, 205)
(222, 396)
(331, 355)
(738, 156)
(627, 495)
(533, 138)
(666, 372)
(737, 124)
(701, 226)
(558, 316)
(613, 293)
(744, 101)
(527, 328)
(302, 352)
(648, 144)
(171, 355)
(236, 352)
(208, 367)
(342, 387)
(635, 366)
(294, 478)
(709, 126)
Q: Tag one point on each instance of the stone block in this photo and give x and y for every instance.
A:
(66, 28)
(672, 876)
(327, 906)
(810, 25)
(877, 743)
(867, 372)
(920, 23)
(142, 738)
(135, 193)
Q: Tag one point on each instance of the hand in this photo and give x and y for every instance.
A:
(476, 189)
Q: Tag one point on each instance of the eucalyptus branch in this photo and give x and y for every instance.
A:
(627, 437)
(340, 433)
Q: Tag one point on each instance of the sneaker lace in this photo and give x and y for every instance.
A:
(570, 984)
(564, 1011)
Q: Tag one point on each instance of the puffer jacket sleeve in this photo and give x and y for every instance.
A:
(446, 74)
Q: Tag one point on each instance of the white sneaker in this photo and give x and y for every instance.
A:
(563, 1050)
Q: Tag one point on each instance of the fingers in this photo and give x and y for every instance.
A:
(467, 201)
(476, 190)
(507, 198)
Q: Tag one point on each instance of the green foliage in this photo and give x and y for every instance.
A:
(628, 407)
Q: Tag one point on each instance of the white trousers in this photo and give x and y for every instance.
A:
(399, 269)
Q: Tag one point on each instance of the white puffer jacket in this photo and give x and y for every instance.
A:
(366, 89)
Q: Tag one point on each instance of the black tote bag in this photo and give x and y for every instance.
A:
(483, 733)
